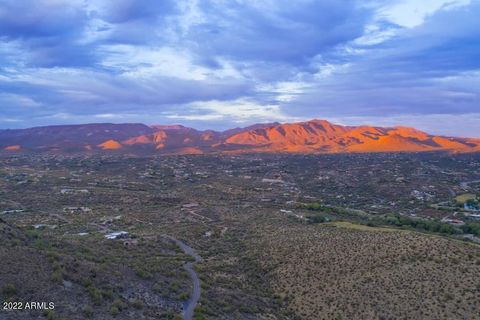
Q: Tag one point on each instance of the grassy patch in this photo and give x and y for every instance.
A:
(361, 227)
(461, 199)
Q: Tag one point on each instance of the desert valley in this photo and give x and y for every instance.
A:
(278, 221)
(239, 160)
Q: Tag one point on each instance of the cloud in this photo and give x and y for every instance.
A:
(77, 93)
(132, 21)
(31, 19)
(124, 11)
(218, 62)
(19, 101)
(429, 69)
(412, 13)
(275, 31)
(45, 32)
(237, 110)
(67, 33)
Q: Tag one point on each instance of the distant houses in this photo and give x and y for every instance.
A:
(190, 205)
(455, 222)
(42, 226)
(12, 211)
(117, 235)
(77, 210)
(265, 180)
(74, 191)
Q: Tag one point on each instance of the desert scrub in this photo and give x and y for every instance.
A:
(57, 276)
(87, 311)
(182, 296)
(95, 294)
(58, 272)
(351, 267)
(136, 303)
(117, 307)
(49, 315)
(9, 289)
(142, 273)
(114, 311)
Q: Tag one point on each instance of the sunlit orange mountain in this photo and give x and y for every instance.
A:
(315, 136)
(320, 136)
(110, 145)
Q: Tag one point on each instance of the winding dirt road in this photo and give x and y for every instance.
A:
(191, 303)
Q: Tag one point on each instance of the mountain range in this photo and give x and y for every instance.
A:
(315, 136)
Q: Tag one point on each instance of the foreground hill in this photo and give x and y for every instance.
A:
(315, 136)
(346, 271)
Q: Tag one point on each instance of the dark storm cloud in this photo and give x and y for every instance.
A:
(135, 21)
(123, 11)
(46, 32)
(276, 31)
(32, 19)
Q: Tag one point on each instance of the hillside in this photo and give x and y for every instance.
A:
(315, 136)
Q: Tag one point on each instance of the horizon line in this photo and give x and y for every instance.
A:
(236, 127)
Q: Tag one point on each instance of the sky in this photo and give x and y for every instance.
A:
(220, 64)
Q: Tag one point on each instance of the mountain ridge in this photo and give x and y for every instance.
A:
(314, 136)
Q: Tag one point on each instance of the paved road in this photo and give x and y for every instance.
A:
(191, 303)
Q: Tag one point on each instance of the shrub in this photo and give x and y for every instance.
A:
(471, 227)
(137, 303)
(317, 218)
(142, 273)
(314, 206)
(95, 294)
(49, 314)
(57, 276)
(183, 296)
(87, 311)
(107, 293)
(420, 224)
(119, 304)
(86, 282)
(114, 311)
(9, 289)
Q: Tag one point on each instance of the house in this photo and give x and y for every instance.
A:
(454, 222)
(107, 220)
(272, 180)
(190, 205)
(12, 211)
(73, 191)
(117, 235)
(475, 216)
(77, 209)
(42, 226)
